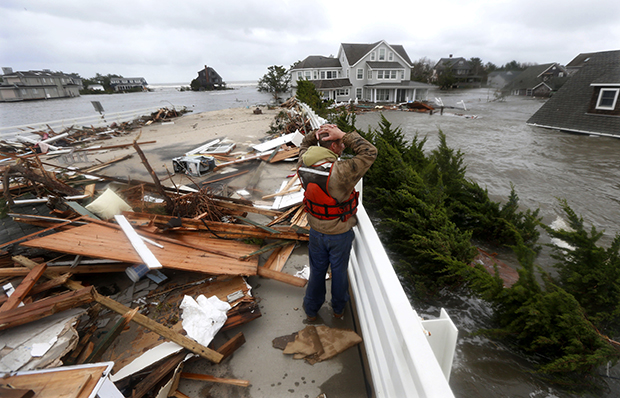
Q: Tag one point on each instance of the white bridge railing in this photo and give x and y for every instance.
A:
(407, 357)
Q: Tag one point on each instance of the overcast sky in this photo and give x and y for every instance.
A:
(169, 41)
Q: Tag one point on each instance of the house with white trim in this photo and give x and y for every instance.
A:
(539, 80)
(377, 72)
(589, 102)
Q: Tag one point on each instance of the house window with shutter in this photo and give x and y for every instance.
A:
(607, 99)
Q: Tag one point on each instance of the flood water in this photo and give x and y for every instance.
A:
(499, 149)
(544, 165)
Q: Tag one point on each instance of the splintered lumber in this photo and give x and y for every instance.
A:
(61, 382)
(161, 330)
(156, 181)
(231, 345)
(82, 269)
(46, 307)
(110, 336)
(24, 288)
(94, 240)
(222, 229)
(157, 375)
(247, 208)
(50, 284)
(278, 257)
(282, 277)
(213, 379)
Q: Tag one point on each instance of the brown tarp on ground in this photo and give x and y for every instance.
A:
(319, 343)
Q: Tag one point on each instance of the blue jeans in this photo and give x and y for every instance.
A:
(325, 250)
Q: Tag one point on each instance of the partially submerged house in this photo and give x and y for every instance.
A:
(128, 83)
(500, 79)
(208, 79)
(37, 85)
(588, 102)
(460, 69)
(539, 80)
(376, 72)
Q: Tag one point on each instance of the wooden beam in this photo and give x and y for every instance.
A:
(24, 288)
(231, 345)
(213, 379)
(110, 336)
(82, 269)
(43, 308)
(282, 277)
(161, 330)
(157, 375)
(140, 319)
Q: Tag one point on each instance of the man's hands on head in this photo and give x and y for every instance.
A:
(334, 133)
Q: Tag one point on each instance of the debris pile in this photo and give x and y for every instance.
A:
(119, 256)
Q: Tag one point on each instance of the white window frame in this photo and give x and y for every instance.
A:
(390, 56)
(600, 97)
(342, 92)
(369, 74)
(382, 54)
(316, 74)
(307, 75)
(359, 91)
(373, 56)
(360, 73)
(383, 94)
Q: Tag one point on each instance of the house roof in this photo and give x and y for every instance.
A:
(402, 84)
(318, 61)
(530, 78)
(331, 83)
(451, 63)
(384, 65)
(579, 60)
(354, 51)
(568, 108)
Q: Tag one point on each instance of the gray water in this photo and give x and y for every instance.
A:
(544, 165)
(499, 149)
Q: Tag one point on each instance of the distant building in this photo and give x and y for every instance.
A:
(588, 102)
(209, 79)
(373, 72)
(460, 69)
(539, 80)
(37, 85)
(96, 87)
(127, 83)
(500, 79)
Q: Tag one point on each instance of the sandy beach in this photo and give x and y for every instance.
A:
(180, 135)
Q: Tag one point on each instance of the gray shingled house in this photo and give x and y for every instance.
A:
(588, 102)
(539, 80)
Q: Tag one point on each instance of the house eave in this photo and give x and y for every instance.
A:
(574, 130)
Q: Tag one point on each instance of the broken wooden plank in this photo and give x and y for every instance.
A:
(278, 258)
(163, 331)
(82, 269)
(213, 379)
(99, 241)
(42, 308)
(157, 375)
(282, 277)
(222, 229)
(50, 284)
(140, 319)
(110, 336)
(231, 345)
(24, 288)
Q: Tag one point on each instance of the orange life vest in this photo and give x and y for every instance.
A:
(317, 200)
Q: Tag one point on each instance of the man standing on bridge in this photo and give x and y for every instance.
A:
(330, 199)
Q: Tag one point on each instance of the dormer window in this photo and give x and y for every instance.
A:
(382, 54)
(607, 99)
(390, 56)
(372, 56)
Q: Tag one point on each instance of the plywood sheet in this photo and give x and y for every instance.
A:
(99, 241)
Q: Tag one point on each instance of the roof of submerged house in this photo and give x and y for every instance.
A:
(569, 108)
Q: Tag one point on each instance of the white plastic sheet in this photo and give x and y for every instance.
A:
(203, 317)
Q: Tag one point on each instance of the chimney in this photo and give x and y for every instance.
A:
(207, 74)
